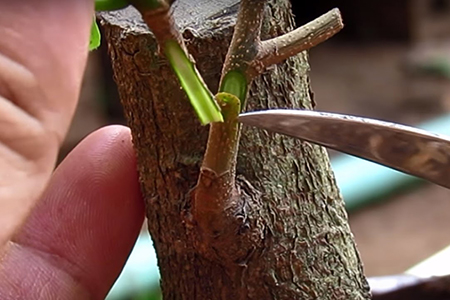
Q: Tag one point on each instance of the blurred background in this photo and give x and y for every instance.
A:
(391, 62)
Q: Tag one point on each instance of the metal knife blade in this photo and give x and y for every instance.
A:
(406, 149)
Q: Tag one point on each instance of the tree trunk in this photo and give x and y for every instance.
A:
(298, 242)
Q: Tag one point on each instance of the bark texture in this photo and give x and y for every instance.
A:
(293, 240)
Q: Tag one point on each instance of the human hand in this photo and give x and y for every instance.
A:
(64, 235)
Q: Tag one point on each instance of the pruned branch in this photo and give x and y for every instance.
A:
(278, 49)
(244, 47)
(249, 56)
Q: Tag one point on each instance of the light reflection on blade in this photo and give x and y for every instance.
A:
(407, 149)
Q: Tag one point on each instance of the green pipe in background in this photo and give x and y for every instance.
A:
(140, 273)
(362, 182)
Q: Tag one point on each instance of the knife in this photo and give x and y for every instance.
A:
(403, 148)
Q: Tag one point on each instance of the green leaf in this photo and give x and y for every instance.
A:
(198, 93)
(110, 4)
(95, 39)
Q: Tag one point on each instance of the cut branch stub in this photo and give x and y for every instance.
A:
(224, 136)
(276, 50)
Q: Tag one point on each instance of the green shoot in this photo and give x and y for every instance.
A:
(198, 93)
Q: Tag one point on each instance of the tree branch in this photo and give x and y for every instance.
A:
(276, 50)
(223, 139)
(247, 57)
(215, 198)
(243, 48)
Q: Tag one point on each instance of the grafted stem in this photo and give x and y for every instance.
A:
(224, 136)
(215, 188)
(247, 57)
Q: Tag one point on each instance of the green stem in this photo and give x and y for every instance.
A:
(157, 16)
(223, 140)
(201, 98)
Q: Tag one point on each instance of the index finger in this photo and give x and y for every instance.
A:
(43, 51)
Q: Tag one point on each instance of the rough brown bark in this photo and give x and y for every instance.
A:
(292, 239)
